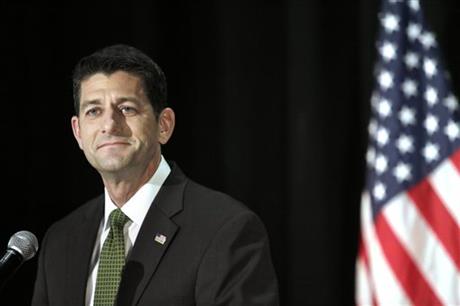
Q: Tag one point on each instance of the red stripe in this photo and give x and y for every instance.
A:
(363, 252)
(411, 279)
(455, 158)
(439, 218)
(365, 259)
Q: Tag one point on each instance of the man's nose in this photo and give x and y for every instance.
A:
(112, 121)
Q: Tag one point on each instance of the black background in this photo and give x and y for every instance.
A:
(271, 101)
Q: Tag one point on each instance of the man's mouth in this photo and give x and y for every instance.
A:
(112, 144)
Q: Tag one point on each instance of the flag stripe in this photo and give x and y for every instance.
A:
(455, 158)
(362, 275)
(423, 247)
(410, 278)
(436, 214)
(378, 264)
(446, 181)
(366, 291)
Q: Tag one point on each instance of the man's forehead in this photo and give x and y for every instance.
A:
(117, 82)
(117, 78)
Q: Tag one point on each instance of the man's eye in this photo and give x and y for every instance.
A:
(128, 110)
(92, 112)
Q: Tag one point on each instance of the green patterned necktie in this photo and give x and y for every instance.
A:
(111, 261)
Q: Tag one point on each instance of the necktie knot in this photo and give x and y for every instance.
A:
(117, 219)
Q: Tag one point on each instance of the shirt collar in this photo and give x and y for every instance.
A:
(137, 206)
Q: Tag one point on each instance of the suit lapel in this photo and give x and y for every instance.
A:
(79, 250)
(156, 234)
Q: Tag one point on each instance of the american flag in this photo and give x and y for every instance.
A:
(410, 210)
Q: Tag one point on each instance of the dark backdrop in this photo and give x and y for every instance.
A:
(271, 99)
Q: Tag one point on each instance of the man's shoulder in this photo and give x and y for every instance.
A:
(196, 190)
(212, 203)
(197, 196)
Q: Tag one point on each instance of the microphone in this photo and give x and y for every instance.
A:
(22, 246)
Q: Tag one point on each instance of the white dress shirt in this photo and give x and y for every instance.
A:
(136, 209)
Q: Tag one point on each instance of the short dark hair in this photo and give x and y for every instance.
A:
(123, 58)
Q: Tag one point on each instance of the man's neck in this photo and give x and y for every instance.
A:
(121, 187)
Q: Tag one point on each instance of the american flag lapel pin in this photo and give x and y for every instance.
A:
(160, 238)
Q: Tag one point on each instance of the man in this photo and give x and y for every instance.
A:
(154, 237)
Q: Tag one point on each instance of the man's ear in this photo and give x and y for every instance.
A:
(166, 123)
(76, 130)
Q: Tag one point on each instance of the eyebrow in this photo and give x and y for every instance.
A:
(119, 100)
(86, 103)
(128, 98)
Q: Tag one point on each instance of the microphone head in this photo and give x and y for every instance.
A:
(25, 243)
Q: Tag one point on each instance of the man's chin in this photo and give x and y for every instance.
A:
(113, 165)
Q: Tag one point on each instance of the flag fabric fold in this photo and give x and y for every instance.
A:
(410, 209)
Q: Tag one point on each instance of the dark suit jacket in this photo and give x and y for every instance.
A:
(216, 253)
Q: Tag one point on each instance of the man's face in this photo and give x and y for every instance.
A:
(116, 127)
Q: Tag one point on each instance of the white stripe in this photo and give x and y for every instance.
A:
(363, 285)
(426, 251)
(386, 286)
(446, 181)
